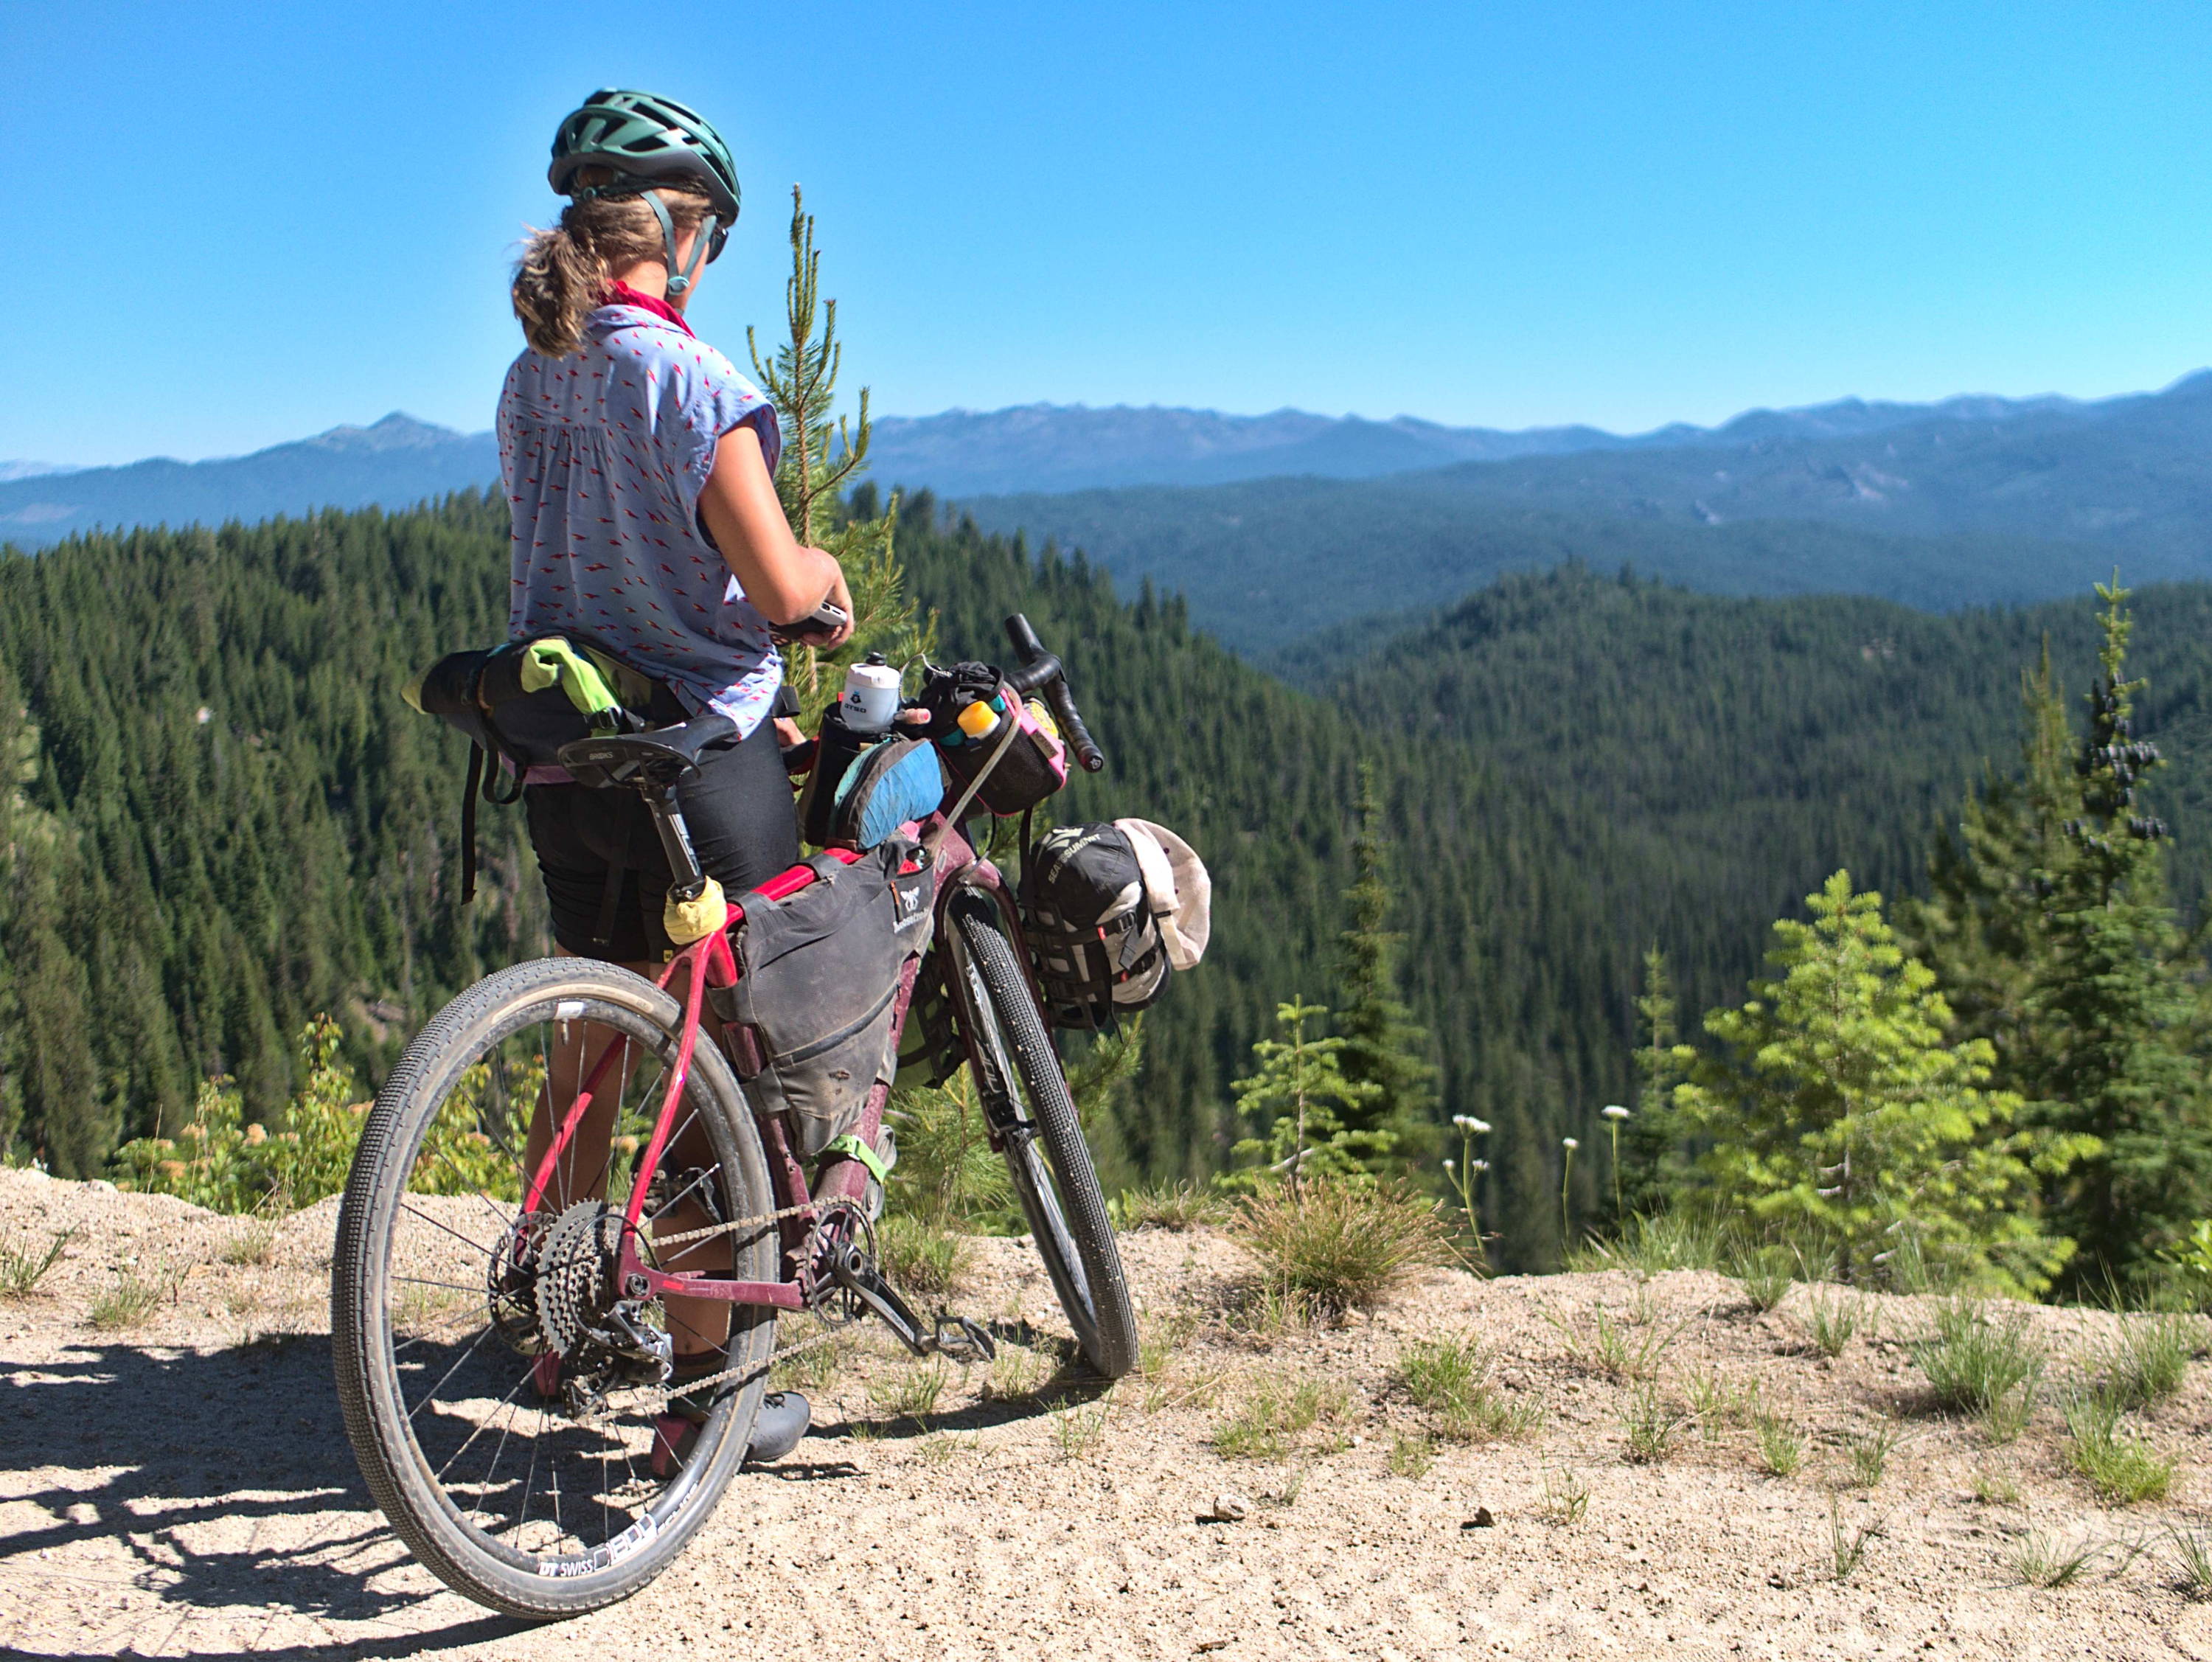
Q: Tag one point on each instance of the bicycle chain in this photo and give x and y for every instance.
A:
(662, 1243)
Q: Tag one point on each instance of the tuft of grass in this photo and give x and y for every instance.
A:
(1340, 1244)
(2122, 1468)
(1566, 1497)
(1161, 1339)
(254, 1246)
(1651, 1425)
(1781, 1446)
(814, 1369)
(1412, 1457)
(1996, 1488)
(1078, 1431)
(911, 1393)
(2002, 1421)
(1451, 1378)
(937, 1450)
(2037, 1560)
(1651, 1244)
(1275, 1414)
(1847, 1547)
(1176, 1207)
(1017, 1371)
(133, 1297)
(1613, 1349)
(1869, 1454)
(923, 1257)
(1766, 1273)
(1834, 1321)
(1714, 1402)
(23, 1266)
(2193, 1561)
(2147, 1357)
(1982, 1363)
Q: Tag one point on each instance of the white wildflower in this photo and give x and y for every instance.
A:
(1614, 1110)
(1570, 1144)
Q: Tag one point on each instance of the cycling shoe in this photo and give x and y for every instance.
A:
(783, 1420)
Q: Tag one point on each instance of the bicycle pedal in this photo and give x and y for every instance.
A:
(962, 1340)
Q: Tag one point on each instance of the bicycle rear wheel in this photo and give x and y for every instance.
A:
(1020, 1077)
(501, 1392)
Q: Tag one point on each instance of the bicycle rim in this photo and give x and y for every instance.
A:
(504, 1395)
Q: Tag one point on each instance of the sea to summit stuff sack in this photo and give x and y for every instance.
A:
(810, 1017)
(1109, 911)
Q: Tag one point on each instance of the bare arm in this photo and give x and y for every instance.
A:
(784, 582)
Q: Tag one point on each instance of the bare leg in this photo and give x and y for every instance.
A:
(697, 1326)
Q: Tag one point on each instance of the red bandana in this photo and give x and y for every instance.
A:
(620, 294)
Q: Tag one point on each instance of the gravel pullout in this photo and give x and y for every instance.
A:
(182, 1487)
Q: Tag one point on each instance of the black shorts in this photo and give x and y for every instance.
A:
(744, 828)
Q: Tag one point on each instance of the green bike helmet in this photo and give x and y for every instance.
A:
(645, 142)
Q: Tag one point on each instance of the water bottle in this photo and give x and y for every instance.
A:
(870, 698)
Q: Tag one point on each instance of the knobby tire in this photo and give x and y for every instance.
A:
(1060, 1193)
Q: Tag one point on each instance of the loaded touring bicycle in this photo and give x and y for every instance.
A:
(519, 1245)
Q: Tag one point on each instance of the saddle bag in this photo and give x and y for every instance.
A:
(1108, 912)
(522, 701)
(809, 1021)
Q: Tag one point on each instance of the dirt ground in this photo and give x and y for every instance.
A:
(181, 1485)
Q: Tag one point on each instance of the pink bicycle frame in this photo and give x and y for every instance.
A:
(711, 963)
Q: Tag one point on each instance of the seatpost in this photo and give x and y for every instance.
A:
(676, 841)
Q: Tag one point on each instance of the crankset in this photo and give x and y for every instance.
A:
(852, 1267)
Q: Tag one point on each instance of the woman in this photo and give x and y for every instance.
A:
(638, 465)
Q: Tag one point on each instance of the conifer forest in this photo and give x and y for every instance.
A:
(1478, 840)
(1821, 914)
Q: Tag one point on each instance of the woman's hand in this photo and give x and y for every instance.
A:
(839, 596)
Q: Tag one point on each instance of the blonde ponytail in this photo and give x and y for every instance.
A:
(564, 272)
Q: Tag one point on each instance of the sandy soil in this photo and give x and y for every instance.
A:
(182, 1487)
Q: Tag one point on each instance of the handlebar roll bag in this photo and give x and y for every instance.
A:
(817, 982)
(1033, 765)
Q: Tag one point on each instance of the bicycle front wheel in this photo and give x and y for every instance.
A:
(502, 1391)
(1020, 1076)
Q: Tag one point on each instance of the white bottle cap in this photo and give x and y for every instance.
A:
(871, 698)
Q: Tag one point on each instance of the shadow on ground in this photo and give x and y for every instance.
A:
(166, 1448)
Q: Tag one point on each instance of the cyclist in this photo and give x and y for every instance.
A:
(639, 465)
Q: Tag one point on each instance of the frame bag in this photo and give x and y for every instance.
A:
(809, 1021)
(1109, 913)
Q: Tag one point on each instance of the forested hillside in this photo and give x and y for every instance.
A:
(228, 821)
(1268, 563)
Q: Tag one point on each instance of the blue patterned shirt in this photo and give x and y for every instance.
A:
(604, 453)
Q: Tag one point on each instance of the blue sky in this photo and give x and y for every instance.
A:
(230, 226)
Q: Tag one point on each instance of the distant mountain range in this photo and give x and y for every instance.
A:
(1045, 448)
(395, 463)
(1280, 525)
(959, 453)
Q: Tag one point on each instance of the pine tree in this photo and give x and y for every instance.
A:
(2118, 998)
(1293, 1102)
(1382, 1047)
(1653, 1167)
(1839, 1104)
(821, 456)
(1985, 926)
